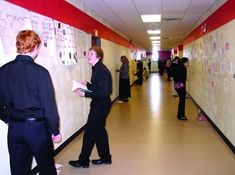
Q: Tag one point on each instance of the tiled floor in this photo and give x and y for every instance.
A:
(147, 139)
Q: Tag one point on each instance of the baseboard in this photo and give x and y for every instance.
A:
(226, 140)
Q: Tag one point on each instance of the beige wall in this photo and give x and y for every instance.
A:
(211, 82)
(73, 110)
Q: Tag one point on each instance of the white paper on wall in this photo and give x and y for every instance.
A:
(226, 85)
(83, 42)
(66, 43)
(44, 27)
(12, 20)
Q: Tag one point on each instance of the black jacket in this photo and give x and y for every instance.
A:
(180, 74)
(26, 91)
(101, 82)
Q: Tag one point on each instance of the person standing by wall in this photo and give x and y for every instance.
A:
(149, 65)
(27, 94)
(161, 66)
(145, 73)
(172, 70)
(124, 80)
(95, 132)
(168, 65)
(180, 76)
(139, 72)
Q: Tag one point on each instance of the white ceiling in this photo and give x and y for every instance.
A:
(124, 16)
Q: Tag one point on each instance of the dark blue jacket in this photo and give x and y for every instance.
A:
(26, 91)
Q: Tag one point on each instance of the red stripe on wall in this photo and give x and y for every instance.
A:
(223, 15)
(66, 13)
(180, 47)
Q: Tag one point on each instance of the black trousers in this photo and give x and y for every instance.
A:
(181, 106)
(28, 139)
(124, 88)
(168, 73)
(95, 132)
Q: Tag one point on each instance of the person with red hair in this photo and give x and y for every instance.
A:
(27, 94)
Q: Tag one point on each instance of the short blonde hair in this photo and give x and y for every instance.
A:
(99, 52)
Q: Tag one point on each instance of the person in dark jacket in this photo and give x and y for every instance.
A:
(168, 65)
(95, 132)
(172, 70)
(149, 65)
(27, 95)
(180, 76)
(161, 66)
(139, 72)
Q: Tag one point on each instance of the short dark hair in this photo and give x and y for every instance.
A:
(184, 60)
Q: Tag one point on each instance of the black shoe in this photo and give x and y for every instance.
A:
(78, 164)
(125, 99)
(182, 118)
(101, 161)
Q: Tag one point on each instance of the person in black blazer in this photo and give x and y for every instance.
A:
(179, 77)
(95, 133)
(28, 105)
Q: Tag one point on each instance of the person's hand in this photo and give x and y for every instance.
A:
(79, 92)
(83, 82)
(56, 138)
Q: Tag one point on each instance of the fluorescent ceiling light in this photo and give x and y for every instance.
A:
(151, 18)
(156, 45)
(154, 42)
(155, 37)
(154, 31)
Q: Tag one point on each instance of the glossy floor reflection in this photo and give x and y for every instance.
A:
(147, 139)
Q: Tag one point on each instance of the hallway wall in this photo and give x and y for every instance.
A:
(54, 56)
(72, 109)
(211, 76)
(211, 50)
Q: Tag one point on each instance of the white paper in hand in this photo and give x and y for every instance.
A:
(82, 87)
(77, 85)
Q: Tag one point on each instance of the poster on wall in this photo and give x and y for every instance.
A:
(44, 27)
(65, 43)
(83, 41)
(12, 20)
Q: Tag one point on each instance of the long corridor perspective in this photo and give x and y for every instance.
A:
(147, 139)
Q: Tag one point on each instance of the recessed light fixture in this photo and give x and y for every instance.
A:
(156, 42)
(155, 37)
(153, 31)
(151, 18)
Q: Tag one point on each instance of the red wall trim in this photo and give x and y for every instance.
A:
(66, 13)
(221, 16)
(180, 47)
(175, 51)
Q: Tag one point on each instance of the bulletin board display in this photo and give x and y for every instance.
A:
(211, 76)
(62, 41)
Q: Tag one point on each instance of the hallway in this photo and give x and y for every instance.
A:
(147, 139)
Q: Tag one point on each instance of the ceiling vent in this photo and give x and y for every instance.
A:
(171, 19)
